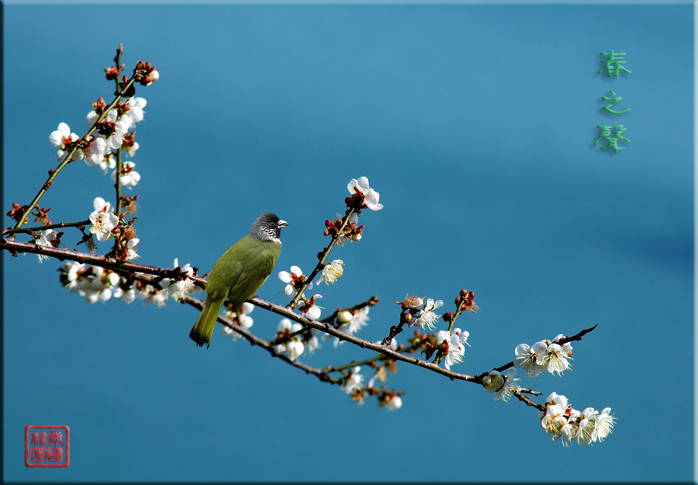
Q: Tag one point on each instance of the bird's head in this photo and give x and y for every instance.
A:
(267, 227)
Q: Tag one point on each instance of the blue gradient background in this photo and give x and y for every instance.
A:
(476, 125)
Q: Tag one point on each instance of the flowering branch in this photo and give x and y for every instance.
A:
(364, 344)
(266, 345)
(111, 263)
(333, 319)
(114, 275)
(322, 256)
(562, 341)
(72, 147)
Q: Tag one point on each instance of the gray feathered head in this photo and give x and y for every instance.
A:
(267, 227)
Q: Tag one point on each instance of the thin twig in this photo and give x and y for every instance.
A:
(323, 258)
(48, 226)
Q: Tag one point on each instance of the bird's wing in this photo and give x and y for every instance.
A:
(224, 274)
(259, 264)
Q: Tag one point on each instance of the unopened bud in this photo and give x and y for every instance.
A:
(493, 381)
(344, 317)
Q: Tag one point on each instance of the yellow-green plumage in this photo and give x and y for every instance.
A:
(239, 273)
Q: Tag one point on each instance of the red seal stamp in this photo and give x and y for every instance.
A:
(47, 446)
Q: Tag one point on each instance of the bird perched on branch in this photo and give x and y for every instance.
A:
(239, 273)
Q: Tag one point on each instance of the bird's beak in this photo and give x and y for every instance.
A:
(283, 223)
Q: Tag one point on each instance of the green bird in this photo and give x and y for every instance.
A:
(239, 273)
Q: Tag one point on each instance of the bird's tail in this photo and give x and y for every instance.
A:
(203, 328)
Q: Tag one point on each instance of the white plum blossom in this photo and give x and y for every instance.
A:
(394, 404)
(95, 285)
(310, 309)
(135, 110)
(177, 290)
(349, 323)
(102, 205)
(505, 392)
(289, 278)
(102, 220)
(352, 323)
(331, 272)
(454, 345)
(70, 278)
(131, 249)
(95, 151)
(543, 355)
(132, 149)
(128, 176)
(121, 126)
(552, 356)
(353, 381)
(371, 197)
(570, 430)
(158, 298)
(527, 359)
(587, 426)
(98, 284)
(102, 224)
(244, 320)
(413, 302)
(555, 358)
(313, 344)
(427, 318)
(45, 240)
(603, 425)
(127, 296)
(567, 424)
(293, 348)
(554, 417)
(107, 163)
(60, 138)
(91, 117)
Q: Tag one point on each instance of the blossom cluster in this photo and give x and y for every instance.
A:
(294, 339)
(452, 349)
(240, 316)
(104, 223)
(114, 131)
(568, 424)
(362, 197)
(48, 238)
(95, 284)
(420, 313)
(352, 384)
(542, 356)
